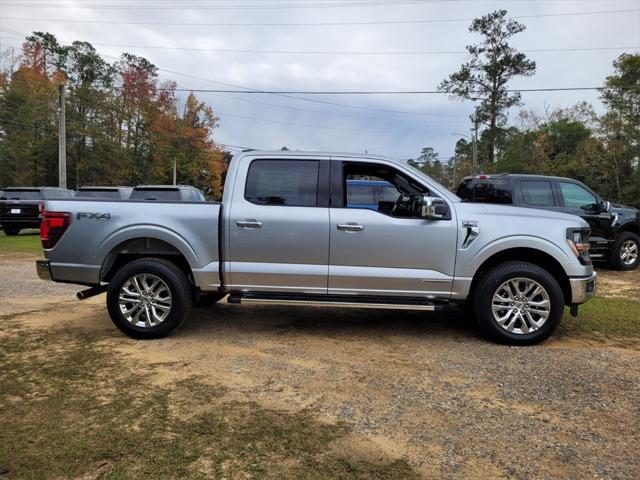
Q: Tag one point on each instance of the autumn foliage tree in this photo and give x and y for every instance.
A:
(124, 126)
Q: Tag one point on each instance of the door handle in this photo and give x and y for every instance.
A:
(350, 227)
(249, 224)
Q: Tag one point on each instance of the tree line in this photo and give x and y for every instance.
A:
(123, 126)
(601, 150)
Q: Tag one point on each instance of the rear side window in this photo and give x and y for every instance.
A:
(293, 183)
(169, 195)
(486, 191)
(537, 193)
(576, 196)
(22, 195)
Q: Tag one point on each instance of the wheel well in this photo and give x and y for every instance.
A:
(530, 255)
(145, 247)
(633, 228)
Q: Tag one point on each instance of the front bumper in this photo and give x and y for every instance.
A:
(43, 267)
(583, 288)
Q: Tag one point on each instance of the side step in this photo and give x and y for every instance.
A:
(348, 301)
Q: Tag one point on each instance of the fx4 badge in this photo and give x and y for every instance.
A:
(93, 216)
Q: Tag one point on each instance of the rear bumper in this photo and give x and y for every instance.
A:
(583, 288)
(43, 268)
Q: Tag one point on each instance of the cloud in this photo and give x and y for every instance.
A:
(320, 126)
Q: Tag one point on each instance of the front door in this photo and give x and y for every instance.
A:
(577, 200)
(388, 249)
(278, 227)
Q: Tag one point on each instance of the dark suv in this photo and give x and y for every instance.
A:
(615, 229)
(19, 206)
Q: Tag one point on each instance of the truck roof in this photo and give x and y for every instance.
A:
(162, 187)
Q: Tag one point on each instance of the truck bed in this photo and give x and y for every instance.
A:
(99, 227)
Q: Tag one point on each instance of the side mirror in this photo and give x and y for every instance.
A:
(605, 206)
(434, 208)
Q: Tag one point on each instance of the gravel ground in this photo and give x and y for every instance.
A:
(421, 387)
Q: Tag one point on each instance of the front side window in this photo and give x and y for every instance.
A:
(382, 188)
(537, 193)
(292, 183)
(576, 196)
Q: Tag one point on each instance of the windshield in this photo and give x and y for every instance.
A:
(441, 188)
(108, 194)
(21, 195)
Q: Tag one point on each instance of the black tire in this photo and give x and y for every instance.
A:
(623, 240)
(207, 298)
(178, 287)
(488, 286)
(11, 230)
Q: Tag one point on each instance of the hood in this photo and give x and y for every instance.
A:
(505, 213)
(619, 208)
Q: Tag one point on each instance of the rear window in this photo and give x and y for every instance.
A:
(537, 193)
(172, 195)
(360, 194)
(292, 183)
(21, 195)
(486, 191)
(106, 194)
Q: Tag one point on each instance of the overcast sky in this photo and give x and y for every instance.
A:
(395, 125)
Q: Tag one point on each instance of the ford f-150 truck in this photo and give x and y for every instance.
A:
(284, 233)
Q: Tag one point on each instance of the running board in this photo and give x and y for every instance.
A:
(339, 301)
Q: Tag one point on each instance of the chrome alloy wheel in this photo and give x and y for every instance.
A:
(629, 252)
(521, 305)
(144, 300)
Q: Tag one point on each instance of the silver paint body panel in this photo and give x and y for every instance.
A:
(302, 250)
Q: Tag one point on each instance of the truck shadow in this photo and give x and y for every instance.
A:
(324, 321)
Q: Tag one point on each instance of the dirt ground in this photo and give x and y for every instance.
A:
(424, 388)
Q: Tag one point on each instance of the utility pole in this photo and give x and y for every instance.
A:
(475, 146)
(62, 142)
(174, 171)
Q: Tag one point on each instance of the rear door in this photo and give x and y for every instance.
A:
(538, 193)
(278, 226)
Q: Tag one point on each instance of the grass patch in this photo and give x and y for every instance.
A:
(71, 407)
(28, 241)
(615, 318)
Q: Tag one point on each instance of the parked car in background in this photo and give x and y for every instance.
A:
(284, 233)
(107, 193)
(369, 193)
(167, 193)
(19, 206)
(615, 229)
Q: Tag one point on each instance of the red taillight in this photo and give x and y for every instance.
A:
(54, 224)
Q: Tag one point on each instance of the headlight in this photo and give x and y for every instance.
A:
(578, 240)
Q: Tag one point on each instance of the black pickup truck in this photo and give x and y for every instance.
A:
(615, 229)
(19, 206)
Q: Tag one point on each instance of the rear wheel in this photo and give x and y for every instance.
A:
(518, 303)
(625, 253)
(149, 298)
(11, 230)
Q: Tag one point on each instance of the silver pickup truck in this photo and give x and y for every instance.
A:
(291, 230)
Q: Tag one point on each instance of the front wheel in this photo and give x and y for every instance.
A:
(149, 298)
(518, 303)
(625, 253)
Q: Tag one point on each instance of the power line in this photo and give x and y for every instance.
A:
(314, 24)
(346, 52)
(233, 6)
